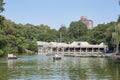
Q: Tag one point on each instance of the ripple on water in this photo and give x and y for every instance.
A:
(44, 68)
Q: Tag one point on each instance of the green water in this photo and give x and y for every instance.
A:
(37, 67)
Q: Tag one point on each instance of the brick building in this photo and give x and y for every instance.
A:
(89, 23)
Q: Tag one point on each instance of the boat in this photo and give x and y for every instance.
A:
(57, 57)
(12, 56)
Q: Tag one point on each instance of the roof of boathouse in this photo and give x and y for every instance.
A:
(57, 44)
(86, 44)
(79, 43)
(102, 44)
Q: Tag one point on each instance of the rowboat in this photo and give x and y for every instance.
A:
(57, 57)
(12, 56)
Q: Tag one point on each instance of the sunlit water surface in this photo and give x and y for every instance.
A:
(41, 67)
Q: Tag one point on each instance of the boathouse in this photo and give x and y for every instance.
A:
(75, 48)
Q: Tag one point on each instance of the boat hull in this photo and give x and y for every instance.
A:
(56, 58)
(12, 57)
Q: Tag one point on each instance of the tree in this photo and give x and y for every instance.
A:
(116, 36)
(118, 18)
(77, 29)
(62, 33)
(1, 5)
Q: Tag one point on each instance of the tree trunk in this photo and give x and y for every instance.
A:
(117, 48)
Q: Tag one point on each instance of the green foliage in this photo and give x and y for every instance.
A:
(76, 30)
(63, 34)
(32, 46)
(118, 18)
(19, 38)
(1, 5)
(1, 52)
(116, 37)
(1, 22)
(3, 42)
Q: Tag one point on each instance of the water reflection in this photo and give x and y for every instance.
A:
(117, 60)
(84, 68)
(68, 68)
(114, 68)
(11, 63)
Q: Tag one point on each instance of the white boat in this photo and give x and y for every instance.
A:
(57, 57)
(12, 56)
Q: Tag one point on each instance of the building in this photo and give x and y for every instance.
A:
(89, 23)
(75, 48)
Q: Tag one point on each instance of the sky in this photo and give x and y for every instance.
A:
(54, 13)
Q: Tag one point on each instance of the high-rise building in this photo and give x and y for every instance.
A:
(89, 23)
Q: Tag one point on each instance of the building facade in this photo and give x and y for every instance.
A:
(75, 48)
(89, 23)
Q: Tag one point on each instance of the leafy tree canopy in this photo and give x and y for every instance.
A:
(1, 5)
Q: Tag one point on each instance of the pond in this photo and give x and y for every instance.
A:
(42, 67)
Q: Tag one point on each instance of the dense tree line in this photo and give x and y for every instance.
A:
(22, 38)
(19, 38)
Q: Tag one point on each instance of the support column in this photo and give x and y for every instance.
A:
(57, 50)
(80, 50)
(105, 48)
(41, 51)
(86, 51)
(63, 50)
(98, 50)
(92, 51)
(74, 50)
(46, 50)
(51, 50)
(69, 50)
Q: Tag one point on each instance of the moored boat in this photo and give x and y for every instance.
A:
(57, 57)
(12, 56)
